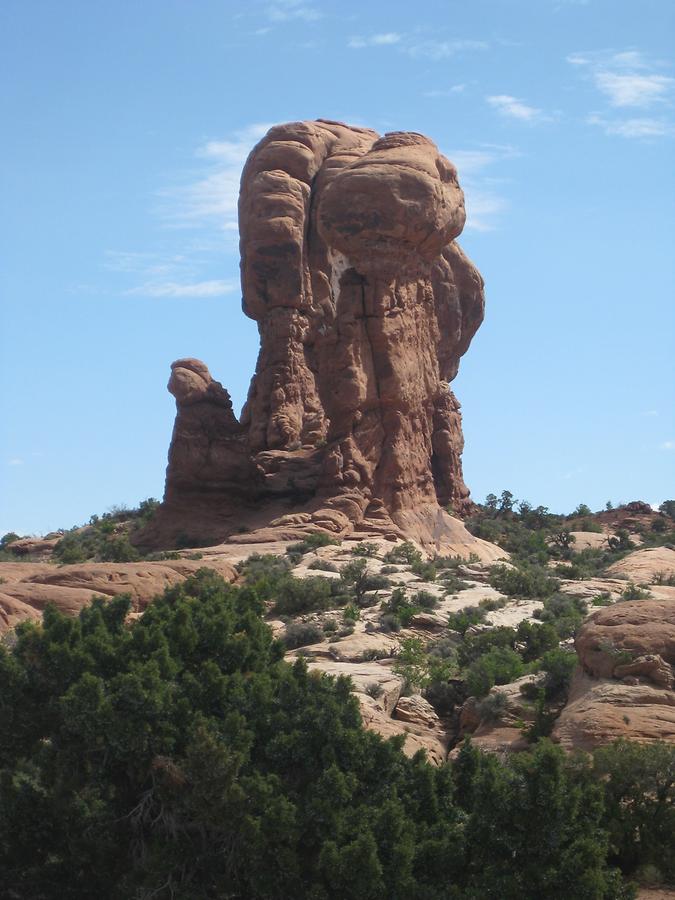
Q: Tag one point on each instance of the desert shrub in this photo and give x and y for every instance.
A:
(493, 707)
(634, 592)
(367, 549)
(404, 553)
(425, 600)
(558, 666)
(466, 617)
(301, 634)
(399, 608)
(602, 599)
(8, 539)
(263, 573)
(388, 570)
(424, 570)
(390, 622)
(500, 665)
(356, 581)
(476, 645)
(490, 604)
(294, 596)
(323, 565)
(311, 542)
(161, 757)
(351, 613)
(118, 548)
(453, 584)
(374, 689)
(525, 581)
(639, 808)
(534, 640)
(565, 613)
(418, 668)
(444, 696)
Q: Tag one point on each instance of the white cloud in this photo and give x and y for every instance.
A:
(374, 40)
(436, 50)
(289, 10)
(448, 92)
(15, 461)
(667, 445)
(212, 197)
(513, 108)
(633, 89)
(633, 128)
(484, 204)
(627, 80)
(213, 288)
(431, 49)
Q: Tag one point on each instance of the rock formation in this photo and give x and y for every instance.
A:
(624, 686)
(364, 304)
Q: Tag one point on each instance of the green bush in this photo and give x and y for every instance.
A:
(466, 617)
(300, 634)
(525, 581)
(179, 755)
(500, 665)
(294, 596)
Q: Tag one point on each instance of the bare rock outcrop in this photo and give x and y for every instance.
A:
(624, 685)
(365, 305)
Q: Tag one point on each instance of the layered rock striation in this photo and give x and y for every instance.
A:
(365, 304)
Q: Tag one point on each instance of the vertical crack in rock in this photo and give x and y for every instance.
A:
(364, 304)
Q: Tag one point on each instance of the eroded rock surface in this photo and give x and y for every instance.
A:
(624, 686)
(364, 304)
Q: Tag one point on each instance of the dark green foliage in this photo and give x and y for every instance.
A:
(300, 595)
(356, 581)
(534, 640)
(106, 538)
(399, 608)
(534, 827)
(311, 542)
(299, 634)
(498, 666)
(404, 553)
(264, 572)
(668, 508)
(525, 581)
(558, 666)
(8, 539)
(634, 592)
(465, 618)
(475, 645)
(565, 613)
(640, 804)
(179, 756)
(323, 565)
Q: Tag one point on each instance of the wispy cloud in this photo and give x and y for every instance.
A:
(633, 128)
(198, 289)
(198, 214)
(447, 92)
(415, 46)
(667, 445)
(291, 10)
(514, 108)
(15, 461)
(627, 80)
(485, 204)
(211, 198)
(374, 40)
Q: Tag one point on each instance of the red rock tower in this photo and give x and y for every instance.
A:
(364, 304)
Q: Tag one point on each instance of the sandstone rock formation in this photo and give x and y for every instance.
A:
(364, 304)
(624, 686)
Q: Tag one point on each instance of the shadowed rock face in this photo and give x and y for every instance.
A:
(364, 304)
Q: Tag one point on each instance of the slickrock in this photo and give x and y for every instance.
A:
(624, 686)
(365, 305)
(29, 588)
(645, 565)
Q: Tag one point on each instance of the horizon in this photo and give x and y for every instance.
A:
(128, 132)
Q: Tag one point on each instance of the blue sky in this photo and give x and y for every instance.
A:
(126, 126)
